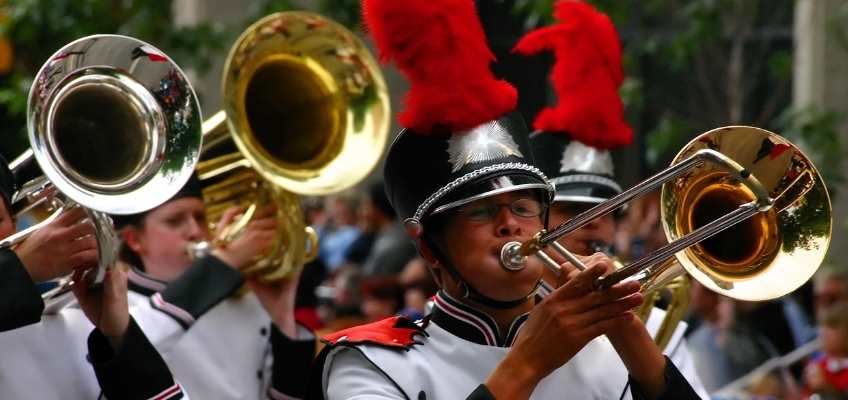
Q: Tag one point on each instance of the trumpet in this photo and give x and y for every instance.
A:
(114, 127)
(306, 112)
(745, 211)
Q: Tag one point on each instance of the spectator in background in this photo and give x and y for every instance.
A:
(722, 349)
(826, 377)
(391, 250)
(313, 212)
(342, 298)
(419, 289)
(306, 303)
(382, 297)
(639, 231)
(339, 231)
(831, 287)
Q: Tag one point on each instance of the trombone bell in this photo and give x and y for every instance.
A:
(744, 210)
(770, 254)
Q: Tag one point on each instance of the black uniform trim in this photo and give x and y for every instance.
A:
(206, 283)
(471, 324)
(481, 393)
(20, 301)
(138, 281)
(514, 328)
(292, 357)
(136, 371)
(676, 386)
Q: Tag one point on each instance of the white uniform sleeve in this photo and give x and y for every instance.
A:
(47, 360)
(165, 316)
(160, 328)
(349, 375)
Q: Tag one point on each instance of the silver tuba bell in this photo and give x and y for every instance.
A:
(115, 127)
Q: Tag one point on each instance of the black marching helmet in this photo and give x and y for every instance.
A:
(462, 140)
(573, 138)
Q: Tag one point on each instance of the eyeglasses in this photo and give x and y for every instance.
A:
(485, 211)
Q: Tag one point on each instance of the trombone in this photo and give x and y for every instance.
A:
(114, 127)
(745, 211)
(306, 112)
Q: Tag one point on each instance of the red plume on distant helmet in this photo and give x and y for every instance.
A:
(440, 46)
(586, 76)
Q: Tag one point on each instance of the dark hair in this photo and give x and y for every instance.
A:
(192, 188)
(377, 194)
(125, 253)
(382, 288)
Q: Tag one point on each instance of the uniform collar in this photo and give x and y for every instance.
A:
(471, 324)
(140, 282)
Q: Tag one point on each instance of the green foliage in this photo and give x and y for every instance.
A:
(37, 28)
(780, 65)
(535, 12)
(345, 12)
(631, 93)
(665, 140)
(837, 25)
(815, 132)
(698, 64)
(259, 9)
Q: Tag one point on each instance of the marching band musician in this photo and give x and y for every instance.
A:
(461, 177)
(126, 365)
(588, 61)
(220, 345)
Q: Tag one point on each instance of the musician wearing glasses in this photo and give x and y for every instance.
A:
(573, 150)
(461, 177)
(126, 365)
(221, 341)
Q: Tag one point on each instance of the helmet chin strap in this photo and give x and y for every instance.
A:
(469, 292)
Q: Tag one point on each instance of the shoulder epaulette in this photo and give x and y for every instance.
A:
(397, 332)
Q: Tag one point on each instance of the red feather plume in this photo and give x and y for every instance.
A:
(440, 47)
(586, 76)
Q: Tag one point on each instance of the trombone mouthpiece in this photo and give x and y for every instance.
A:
(511, 257)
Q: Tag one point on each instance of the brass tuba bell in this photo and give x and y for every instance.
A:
(114, 127)
(306, 111)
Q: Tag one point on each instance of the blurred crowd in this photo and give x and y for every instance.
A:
(366, 269)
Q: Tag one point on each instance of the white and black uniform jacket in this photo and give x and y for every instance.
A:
(220, 345)
(451, 353)
(63, 356)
